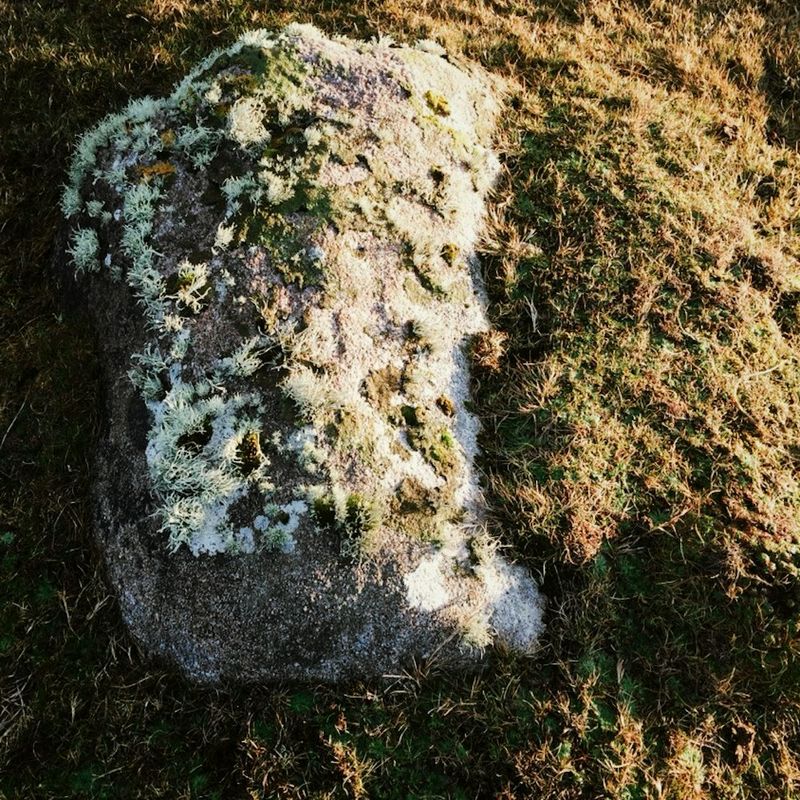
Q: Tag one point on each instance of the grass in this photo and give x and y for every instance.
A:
(641, 414)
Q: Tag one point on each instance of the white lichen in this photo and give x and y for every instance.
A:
(70, 201)
(426, 588)
(84, 249)
(303, 442)
(306, 389)
(193, 455)
(223, 237)
(245, 360)
(193, 286)
(139, 206)
(246, 122)
(199, 143)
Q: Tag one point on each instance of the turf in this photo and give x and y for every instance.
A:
(642, 434)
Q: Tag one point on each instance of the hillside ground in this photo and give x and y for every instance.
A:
(641, 410)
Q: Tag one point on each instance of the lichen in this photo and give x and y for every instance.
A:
(299, 185)
(437, 103)
(84, 248)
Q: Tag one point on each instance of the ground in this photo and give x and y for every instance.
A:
(641, 429)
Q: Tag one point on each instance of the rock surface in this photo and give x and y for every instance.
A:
(278, 260)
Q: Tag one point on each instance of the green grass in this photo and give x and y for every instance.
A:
(642, 431)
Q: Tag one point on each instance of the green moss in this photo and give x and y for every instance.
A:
(412, 415)
(284, 73)
(283, 241)
(350, 435)
(381, 385)
(324, 511)
(362, 516)
(352, 521)
(435, 443)
(238, 84)
(421, 512)
(432, 439)
(253, 60)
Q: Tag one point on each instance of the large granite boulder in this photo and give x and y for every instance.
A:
(278, 261)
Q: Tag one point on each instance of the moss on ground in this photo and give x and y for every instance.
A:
(640, 429)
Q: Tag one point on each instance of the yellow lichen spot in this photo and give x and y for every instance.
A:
(159, 169)
(450, 253)
(446, 405)
(168, 137)
(437, 103)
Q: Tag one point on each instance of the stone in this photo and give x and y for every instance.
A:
(278, 260)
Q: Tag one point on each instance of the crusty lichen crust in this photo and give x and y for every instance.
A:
(297, 223)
